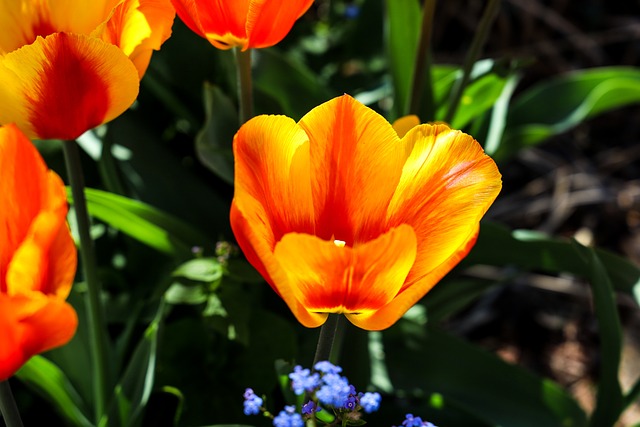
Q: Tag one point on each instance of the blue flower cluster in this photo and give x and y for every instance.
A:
(332, 400)
(331, 389)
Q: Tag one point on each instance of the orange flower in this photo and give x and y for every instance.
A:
(37, 255)
(341, 215)
(69, 66)
(241, 23)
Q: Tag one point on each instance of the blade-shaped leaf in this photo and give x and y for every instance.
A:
(403, 31)
(214, 141)
(44, 376)
(143, 222)
(477, 381)
(609, 403)
(134, 388)
(499, 246)
(573, 98)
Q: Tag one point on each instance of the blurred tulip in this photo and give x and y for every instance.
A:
(341, 215)
(37, 255)
(241, 23)
(69, 66)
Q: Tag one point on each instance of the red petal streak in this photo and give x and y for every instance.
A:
(72, 96)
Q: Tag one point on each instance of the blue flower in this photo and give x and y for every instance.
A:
(252, 403)
(335, 390)
(302, 380)
(370, 402)
(412, 421)
(288, 418)
(309, 408)
(327, 367)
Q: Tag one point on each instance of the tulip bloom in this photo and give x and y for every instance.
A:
(37, 255)
(241, 23)
(341, 215)
(69, 66)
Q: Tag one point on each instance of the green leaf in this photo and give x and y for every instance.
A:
(200, 270)
(214, 141)
(477, 98)
(609, 402)
(144, 223)
(449, 298)
(403, 33)
(134, 388)
(499, 114)
(184, 294)
(477, 381)
(534, 251)
(295, 87)
(557, 105)
(45, 377)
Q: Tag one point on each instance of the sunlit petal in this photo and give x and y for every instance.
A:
(356, 161)
(138, 27)
(268, 22)
(31, 326)
(65, 84)
(447, 185)
(327, 277)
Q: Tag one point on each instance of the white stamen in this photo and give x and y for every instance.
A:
(339, 243)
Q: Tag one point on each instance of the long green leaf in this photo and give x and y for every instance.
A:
(500, 393)
(134, 388)
(557, 105)
(144, 223)
(609, 403)
(44, 376)
(534, 251)
(214, 141)
(403, 32)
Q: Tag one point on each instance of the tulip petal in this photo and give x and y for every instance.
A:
(187, 10)
(138, 27)
(223, 22)
(268, 22)
(65, 84)
(272, 183)
(447, 185)
(31, 326)
(356, 162)
(409, 295)
(405, 124)
(327, 277)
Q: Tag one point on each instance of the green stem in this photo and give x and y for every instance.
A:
(245, 85)
(94, 307)
(479, 39)
(422, 69)
(327, 337)
(8, 407)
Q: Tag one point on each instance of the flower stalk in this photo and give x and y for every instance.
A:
(327, 338)
(477, 43)
(8, 406)
(92, 297)
(245, 84)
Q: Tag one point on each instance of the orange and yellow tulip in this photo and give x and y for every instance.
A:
(69, 66)
(37, 255)
(342, 215)
(241, 23)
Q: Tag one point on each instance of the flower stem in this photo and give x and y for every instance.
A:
(327, 337)
(8, 407)
(245, 85)
(477, 43)
(92, 297)
(422, 68)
